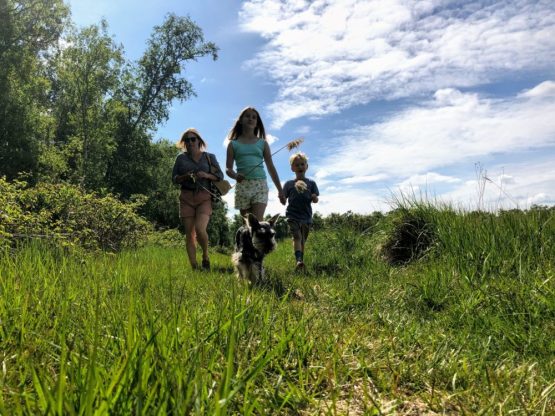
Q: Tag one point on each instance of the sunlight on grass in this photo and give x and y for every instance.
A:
(465, 326)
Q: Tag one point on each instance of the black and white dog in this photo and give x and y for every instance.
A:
(252, 242)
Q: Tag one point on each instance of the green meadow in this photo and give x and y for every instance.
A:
(426, 311)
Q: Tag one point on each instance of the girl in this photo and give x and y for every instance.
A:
(248, 148)
(192, 172)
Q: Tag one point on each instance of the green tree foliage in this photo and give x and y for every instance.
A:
(162, 205)
(86, 76)
(147, 90)
(28, 30)
(152, 84)
(218, 227)
(74, 110)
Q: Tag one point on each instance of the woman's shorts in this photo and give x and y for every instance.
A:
(299, 231)
(192, 204)
(249, 192)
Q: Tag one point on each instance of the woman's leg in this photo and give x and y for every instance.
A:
(190, 240)
(201, 223)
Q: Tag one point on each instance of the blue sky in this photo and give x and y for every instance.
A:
(451, 100)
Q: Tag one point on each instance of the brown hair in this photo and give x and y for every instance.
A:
(181, 142)
(237, 129)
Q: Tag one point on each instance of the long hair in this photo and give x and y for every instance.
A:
(237, 129)
(181, 143)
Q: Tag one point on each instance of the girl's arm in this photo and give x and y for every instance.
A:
(272, 169)
(230, 157)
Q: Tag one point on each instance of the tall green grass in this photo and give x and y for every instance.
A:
(465, 326)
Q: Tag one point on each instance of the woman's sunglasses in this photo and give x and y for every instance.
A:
(190, 139)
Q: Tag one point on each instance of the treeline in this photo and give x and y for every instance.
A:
(75, 110)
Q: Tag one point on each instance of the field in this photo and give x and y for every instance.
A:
(465, 324)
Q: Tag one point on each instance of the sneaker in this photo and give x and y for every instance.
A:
(300, 265)
(206, 265)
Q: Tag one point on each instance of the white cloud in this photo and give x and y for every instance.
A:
(544, 90)
(427, 179)
(527, 184)
(363, 179)
(327, 56)
(453, 128)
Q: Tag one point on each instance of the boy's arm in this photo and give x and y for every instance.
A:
(315, 192)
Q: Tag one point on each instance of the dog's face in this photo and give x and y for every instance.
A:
(262, 233)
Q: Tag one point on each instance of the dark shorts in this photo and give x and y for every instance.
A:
(298, 230)
(191, 204)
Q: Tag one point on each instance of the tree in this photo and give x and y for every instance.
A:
(155, 81)
(148, 89)
(86, 77)
(28, 30)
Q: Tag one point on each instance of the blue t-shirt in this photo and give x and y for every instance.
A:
(247, 156)
(299, 207)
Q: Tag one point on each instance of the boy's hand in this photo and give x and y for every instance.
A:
(314, 198)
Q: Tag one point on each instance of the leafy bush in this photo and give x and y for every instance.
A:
(66, 213)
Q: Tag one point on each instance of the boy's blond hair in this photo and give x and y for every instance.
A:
(299, 155)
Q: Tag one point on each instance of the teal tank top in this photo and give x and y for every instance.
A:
(247, 156)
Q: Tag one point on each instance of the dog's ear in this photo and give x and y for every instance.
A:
(252, 221)
(273, 220)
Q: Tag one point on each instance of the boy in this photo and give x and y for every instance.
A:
(300, 192)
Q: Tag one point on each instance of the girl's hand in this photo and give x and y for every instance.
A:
(239, 177)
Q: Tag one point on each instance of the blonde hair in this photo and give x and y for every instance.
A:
(298, 155)
(181, 143)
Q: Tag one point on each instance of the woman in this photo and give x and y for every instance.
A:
(192, 171)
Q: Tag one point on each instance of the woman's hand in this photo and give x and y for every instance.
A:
(203, 175)
(182, 178)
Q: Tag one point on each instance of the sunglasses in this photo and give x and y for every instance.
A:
(190, 139)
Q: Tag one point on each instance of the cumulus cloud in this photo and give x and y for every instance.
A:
(451, 128)
(526, 185)
(328, 56)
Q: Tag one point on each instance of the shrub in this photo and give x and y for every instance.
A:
(67, 213)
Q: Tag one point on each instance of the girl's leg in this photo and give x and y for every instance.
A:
(190, 240)
(258, 210)
(201, 222)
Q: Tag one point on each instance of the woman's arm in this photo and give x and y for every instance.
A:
(212, 165)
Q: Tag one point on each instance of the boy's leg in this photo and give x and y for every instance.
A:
(296, 233)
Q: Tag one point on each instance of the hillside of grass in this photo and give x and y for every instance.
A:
(425, 311)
